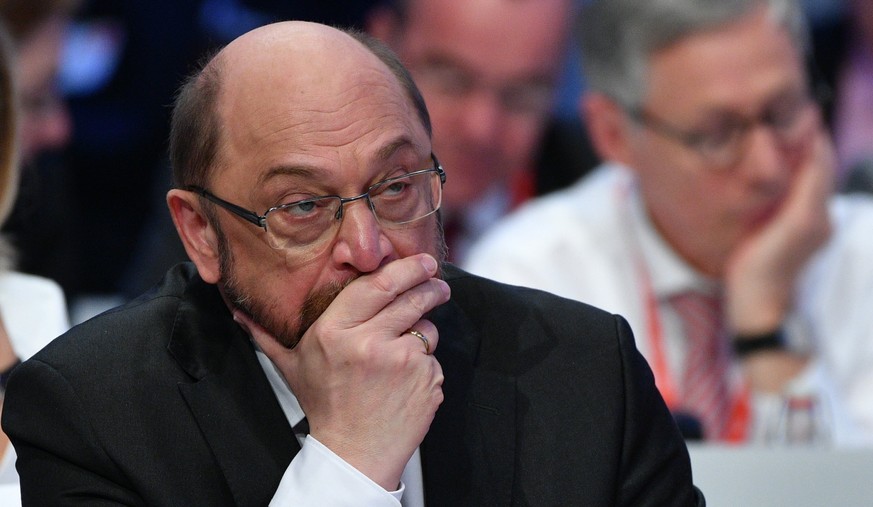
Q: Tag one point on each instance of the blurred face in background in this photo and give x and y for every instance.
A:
(862, 14)
(43, 117)
(487, 70)
(709, 84)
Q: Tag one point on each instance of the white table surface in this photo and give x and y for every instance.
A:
(775, 477)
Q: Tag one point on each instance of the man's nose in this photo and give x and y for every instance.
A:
(765, 160)
(361, 242)
(483, 116)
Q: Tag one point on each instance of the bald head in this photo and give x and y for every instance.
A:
(300, 57)
(271, 72)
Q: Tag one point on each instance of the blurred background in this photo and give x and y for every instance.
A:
(91, 212)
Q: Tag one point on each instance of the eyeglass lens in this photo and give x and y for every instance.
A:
(394, 202)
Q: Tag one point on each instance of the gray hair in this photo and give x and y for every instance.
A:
(618, 37)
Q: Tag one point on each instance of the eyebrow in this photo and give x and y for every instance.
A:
(309, 171)
(390, 149)
(530, 77)
(304, 171)
(787, 91)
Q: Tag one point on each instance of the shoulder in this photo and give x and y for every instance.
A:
(851, 239)
(34, 311)
(494, 305)
(130, 330)
(586, 197)
(571, 243)
(852, 214)
(841, 270)
(31, 288)
(569, 219)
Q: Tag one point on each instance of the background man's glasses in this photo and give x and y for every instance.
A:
(303, 225)
(724, 144)
(531, 97)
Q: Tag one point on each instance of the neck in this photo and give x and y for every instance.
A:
(706, 258)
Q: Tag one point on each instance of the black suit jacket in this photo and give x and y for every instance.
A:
(163, 402)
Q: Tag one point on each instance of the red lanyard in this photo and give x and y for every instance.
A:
(737, 429)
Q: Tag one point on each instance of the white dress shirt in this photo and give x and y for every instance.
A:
(593, 242)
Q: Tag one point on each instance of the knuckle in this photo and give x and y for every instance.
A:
(420, 301)
(368, 351)
(384, 282)
(438, 396)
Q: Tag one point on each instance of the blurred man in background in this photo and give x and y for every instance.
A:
(38, 29)
(712, 228)
(488, 70)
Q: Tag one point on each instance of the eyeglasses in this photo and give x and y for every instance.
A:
(724, 143)
(523, 98)
(301, 225)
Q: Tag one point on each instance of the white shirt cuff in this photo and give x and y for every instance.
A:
(317, 476)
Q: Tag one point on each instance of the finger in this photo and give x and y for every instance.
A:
(808, 204)
(368, 295)
(429, 335)
(409, 306)
(821, 164)
(423, 339)
(826, 160)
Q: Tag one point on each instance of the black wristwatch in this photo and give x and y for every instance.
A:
(746, 345)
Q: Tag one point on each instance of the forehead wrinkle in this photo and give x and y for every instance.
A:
(323, 112)
(314, 172)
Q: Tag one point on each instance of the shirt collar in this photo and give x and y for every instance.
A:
(287, 400)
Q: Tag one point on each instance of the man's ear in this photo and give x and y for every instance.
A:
(384, 23)
(197, 234)
(608, 126)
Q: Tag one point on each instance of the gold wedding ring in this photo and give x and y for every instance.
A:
(421, 337)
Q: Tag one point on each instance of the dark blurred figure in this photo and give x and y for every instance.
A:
(843, 49)
(32, 119)
(37, 28)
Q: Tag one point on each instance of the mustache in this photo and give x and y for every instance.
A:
(315, 304)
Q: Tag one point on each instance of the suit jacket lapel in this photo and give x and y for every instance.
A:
(231, 398)
(469, 453)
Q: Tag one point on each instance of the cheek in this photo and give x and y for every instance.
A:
(268, 275)
(280, 292)
(422, 237)
(521, 137)
(444, 111)
(678, 189)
